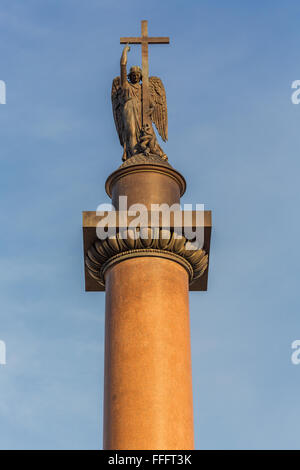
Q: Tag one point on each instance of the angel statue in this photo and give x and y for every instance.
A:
(136, 136)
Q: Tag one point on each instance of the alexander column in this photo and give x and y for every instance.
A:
(146, 271)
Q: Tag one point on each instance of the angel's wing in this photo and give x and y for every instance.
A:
(160, 114)
(116, 106)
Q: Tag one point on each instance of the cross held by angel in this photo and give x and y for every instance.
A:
(138, 102)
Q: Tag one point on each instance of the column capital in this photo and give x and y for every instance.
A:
(155, 242)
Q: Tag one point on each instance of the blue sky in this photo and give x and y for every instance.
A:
(234, 134)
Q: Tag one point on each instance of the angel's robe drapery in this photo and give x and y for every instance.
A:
(132, 114)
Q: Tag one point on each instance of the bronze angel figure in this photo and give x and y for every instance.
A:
(126, 97)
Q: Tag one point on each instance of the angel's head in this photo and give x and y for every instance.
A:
(135, 74)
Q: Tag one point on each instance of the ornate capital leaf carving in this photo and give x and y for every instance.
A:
(105, 253)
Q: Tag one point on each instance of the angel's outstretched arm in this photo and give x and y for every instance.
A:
(123, 64)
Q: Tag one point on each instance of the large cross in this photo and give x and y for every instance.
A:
(144, 40)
